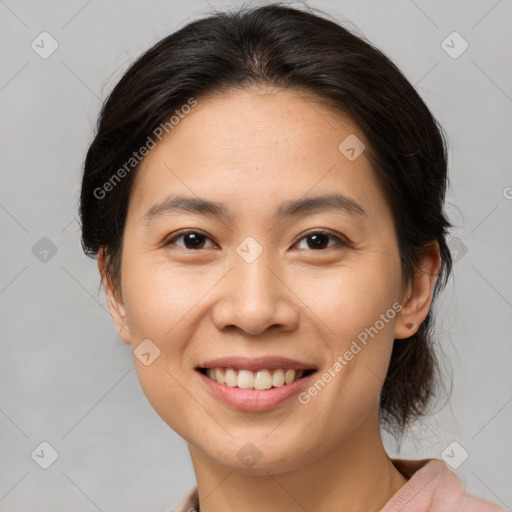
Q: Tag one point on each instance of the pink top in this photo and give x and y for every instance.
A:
(431, 487)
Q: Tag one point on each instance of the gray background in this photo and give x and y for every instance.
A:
(65, 376)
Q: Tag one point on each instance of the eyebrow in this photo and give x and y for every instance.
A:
(184, 204)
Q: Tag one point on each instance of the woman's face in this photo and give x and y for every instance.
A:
(260, 280)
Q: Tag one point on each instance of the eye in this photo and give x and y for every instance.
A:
(319, 240)
(191, 240)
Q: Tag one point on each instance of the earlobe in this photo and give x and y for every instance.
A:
(404, 329)
(114, 302)
(419, 295)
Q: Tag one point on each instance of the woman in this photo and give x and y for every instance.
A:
(223, 157)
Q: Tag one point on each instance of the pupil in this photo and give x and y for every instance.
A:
(194, 238)
(317, 240)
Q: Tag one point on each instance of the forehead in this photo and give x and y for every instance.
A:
(261, 148)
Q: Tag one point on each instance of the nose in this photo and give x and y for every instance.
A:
(254, 297)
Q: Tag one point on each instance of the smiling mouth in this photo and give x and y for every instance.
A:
(257, 380)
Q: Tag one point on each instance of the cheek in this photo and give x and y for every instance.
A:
(356, 310)
(158, 298)
(167, 393)
(351, 298)
(159, 305)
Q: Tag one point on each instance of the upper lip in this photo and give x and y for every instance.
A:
(257, 363)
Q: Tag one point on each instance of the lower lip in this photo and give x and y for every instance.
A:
(252, 399)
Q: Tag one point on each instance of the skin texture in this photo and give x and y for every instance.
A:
(251, 151)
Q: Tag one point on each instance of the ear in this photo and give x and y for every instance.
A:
(114, 301)
(418, 296)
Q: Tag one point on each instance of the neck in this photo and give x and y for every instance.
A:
(354, 476)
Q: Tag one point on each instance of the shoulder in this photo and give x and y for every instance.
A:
(188, 503)
(433, 487)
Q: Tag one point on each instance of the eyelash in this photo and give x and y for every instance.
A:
(341, 242)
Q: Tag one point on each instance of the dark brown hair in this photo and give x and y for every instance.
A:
(279, 46)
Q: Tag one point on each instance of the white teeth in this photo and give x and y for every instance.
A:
(231, 377)
(219, 376)
(289, 376)
(260, 380)
(245, 379)
(278, 378)
(263, 380)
